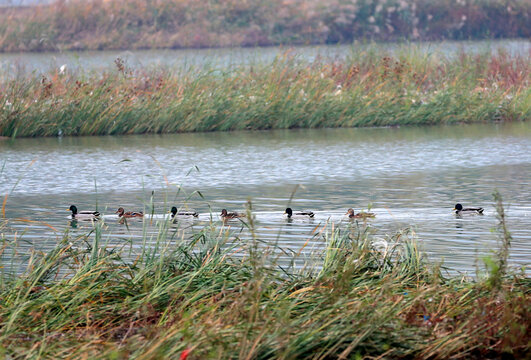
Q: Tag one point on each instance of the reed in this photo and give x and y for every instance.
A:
(194, 298)
(367, 89)
(142, 24)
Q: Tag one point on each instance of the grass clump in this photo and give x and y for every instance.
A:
(170, 298)
(367, 89)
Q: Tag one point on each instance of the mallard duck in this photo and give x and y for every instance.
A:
(299, 214)
(230, 215)
(184, 214)
(459, 210)
(130, 214)
(83, 215)
(360, 215)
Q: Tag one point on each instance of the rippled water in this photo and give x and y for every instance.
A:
(13, 63)
(410, 176)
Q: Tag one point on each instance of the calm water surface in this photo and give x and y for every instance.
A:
(12, 64)
(410, 176)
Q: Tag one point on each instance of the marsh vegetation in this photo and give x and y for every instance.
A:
(367, 89)
(213, 295)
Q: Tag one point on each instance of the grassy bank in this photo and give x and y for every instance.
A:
(367, 89)
(141, 24)
(215, 296)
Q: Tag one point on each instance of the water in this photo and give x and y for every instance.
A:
(14, 63)
(410, 176)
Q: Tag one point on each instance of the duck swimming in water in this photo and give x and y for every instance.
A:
(182, 214)
(83, 215)
(460, 210)
(230, 215)
(299, 214)
(129, 214)
(360, 215)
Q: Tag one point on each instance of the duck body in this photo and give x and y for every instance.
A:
(225, 215)
(460, 210)
(182, 214)
(290, 214)
(83, 215)
(361, 215)
(129, 214)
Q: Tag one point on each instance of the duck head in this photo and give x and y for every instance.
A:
(173, 211)
(120, 211)
(289, 212)
(458, 207)
(73, 208)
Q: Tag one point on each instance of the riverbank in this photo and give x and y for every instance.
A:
(140, 24)
(367, 89)
(214, 296)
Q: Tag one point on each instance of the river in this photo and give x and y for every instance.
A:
(409, 176)
(12, 64)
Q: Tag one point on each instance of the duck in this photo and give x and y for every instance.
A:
(83, 215)
(299, 214)
(184, 214)
(129, 214)
(230, 215)
(459, 210)
(360, 215)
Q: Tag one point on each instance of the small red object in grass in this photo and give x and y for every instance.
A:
(184, 354)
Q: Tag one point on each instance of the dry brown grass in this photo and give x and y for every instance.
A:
(140, 24)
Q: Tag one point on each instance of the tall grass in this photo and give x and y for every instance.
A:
(140, 24)
(367, 89)
(498, 266)
(88, 298)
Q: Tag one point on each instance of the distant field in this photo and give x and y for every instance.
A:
(141, 24)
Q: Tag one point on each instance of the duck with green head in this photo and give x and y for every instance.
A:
(290, 214)
(182, 214)
(460, 210)
(83, 215)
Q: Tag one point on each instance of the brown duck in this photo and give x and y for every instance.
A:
(360, 215)
(129, 214)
